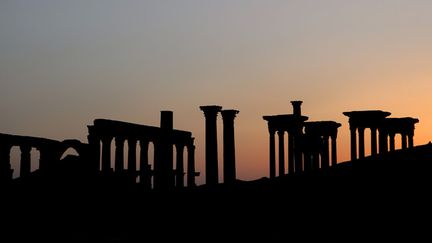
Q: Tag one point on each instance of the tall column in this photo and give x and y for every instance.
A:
(164, 177)
(361, 142)
(229, 164)
(373, 141)
(191, 165)
(298, 153)
(132, 158)
(179, 166)
(95, 150)
(404, 141)
(392, 141)
(106, 154)
(333, 151)
(210, 113)
(25, 168)
(145, 170)
(119, 154)
(353, 142)
(291, 160)
(325, 152)
(5, 166)
(382, 141)
(410, 140)
(272, 153)
(281, 153)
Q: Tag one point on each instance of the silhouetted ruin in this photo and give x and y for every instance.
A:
(149, 198)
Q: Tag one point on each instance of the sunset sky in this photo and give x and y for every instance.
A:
(65, 63)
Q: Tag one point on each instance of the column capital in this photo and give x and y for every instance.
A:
(229, 114)
(211, 110)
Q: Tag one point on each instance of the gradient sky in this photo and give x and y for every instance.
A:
(65, 63)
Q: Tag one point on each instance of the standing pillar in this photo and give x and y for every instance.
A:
(291, 160)
(145, 169)
(404, 141)
(191, 165)
(210, 113)
(95, 150)
(106, 154)
(164, 176)
(333, 151)
(281, 153)
(298, 153)
(373, 141)
(25, 168)
(382, 141)
(392, 141)
(325, 152)
(272, 152)
(179, 166)
(132, 158)
(229, 164)
(410, 140)
(5, 166)
(119, 155)
(353, 142)
(361, 142)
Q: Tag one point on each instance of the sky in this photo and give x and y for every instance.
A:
(65, 63)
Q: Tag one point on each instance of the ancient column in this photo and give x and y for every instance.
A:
(298, 153)
(392, 141)
(145, 170)
(94, 144)
(281, 152)
(353, 142)
(410, 140)
(210, 113)
(382, 137)
(333, 150)
(373, 141)
(272, 153)
(106, 154)
(404, 141)
(5, 166)
(325, 152)
(361, 142)
(229, 164)
(132, 158)
(191, 165)
(164, 177)
(296, 107)
(25, 168)
(291, 159)
(179, 166)
(119, 155)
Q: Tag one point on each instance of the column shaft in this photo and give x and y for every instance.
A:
(119, 155)
(179, 166)
(229, 164)
(325, 152)
(373, 141)
(272, 153)
(383, 147)
(392, 141)
(291, 159)
(145, 169)
(106, 154)
(5, 166)
(361, 143)
(410, 140)
(281, 153)
(333, 151)
(191, 166)
(353, 143)
(132, 158)
(404, 141)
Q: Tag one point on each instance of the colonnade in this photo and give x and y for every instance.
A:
(387, 128)
(163, 138)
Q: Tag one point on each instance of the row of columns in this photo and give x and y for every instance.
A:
(211, 147)
(163, 138)
(387, 129)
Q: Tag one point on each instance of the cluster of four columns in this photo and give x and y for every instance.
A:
(211, 147)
